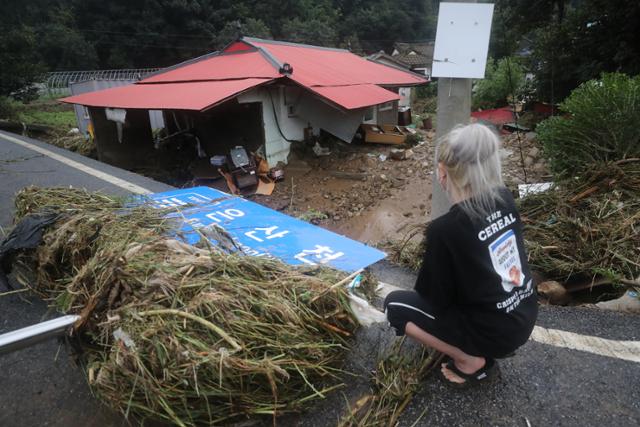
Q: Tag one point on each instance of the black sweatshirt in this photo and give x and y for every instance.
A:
(477, 272)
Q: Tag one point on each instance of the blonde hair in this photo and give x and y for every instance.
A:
(471, 157)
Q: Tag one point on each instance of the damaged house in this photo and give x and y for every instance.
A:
(259, 94)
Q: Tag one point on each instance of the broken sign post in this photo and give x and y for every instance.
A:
(263, 232)
(460, 54)
(462, 40)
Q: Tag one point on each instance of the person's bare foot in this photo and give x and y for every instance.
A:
(468, 367)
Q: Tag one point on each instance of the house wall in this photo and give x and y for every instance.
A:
(82, 114)
(387, 116)
(136, 149)
(287, 110)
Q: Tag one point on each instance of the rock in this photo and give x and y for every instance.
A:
(399, 154)
(505, 153)
(539, 167)
(383, 177)
(531, 136)
(326, 196)
(528, 161)
(409, 171)
(554, 292)
(534, 152)
(74, 131)
(336, 217)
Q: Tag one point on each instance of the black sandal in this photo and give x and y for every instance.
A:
(479, 376)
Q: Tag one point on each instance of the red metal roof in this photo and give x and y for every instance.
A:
(196, 96)
(317, 66)
(337, 75)
(220, 67)
(355, 96)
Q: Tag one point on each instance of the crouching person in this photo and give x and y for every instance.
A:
(474, 299)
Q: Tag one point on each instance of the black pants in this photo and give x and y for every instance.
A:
(402, 307)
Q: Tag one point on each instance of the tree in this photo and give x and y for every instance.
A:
(249, 27)
(61, 46)
(573, 41)
(504, 80)
(20, 62)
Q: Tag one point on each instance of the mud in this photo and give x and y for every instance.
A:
(381, 198)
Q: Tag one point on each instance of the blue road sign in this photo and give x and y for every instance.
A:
(263, 232)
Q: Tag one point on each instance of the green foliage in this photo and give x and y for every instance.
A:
(250, 27)
(61, 46)
(427, 91)
(503, 80)
(59, 120)
(571, 41)
(601, 125)
(19, 63)
(55, 35)
(313, 216)
(7, 108)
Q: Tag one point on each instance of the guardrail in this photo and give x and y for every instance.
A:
(57, 83)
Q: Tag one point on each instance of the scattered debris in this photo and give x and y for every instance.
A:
(321, 151)
(396, 379)
(627, 303)
(398, 154)
(384, 134)
(587, 226)
(183, 334)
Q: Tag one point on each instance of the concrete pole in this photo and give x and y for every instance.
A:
(453, 108)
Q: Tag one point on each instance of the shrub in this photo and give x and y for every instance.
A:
(504, 78)
(601, 124)
(7, 108)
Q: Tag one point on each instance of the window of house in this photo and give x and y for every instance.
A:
(369, 115)
(386, 106)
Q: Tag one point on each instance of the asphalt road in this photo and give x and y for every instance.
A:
(541, 385)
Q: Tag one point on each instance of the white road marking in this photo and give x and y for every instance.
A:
(626, 350)
(79, 166)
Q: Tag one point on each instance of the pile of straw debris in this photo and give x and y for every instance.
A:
(183, 334)
(587, 225)
(395, 381)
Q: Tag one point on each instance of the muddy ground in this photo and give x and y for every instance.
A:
(361, 191)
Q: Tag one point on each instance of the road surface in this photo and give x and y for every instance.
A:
(548, 382)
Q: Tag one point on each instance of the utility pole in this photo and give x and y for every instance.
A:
(453, 108)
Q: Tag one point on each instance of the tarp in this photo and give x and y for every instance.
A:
(196, 96)
(496, 116)
(262, 232)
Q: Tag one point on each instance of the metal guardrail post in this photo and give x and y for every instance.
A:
(25, 337)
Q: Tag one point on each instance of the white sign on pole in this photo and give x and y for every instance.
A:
(462, 40)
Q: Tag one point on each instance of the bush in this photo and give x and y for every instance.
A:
(601, 125)
(504, 79)
(7, 108)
